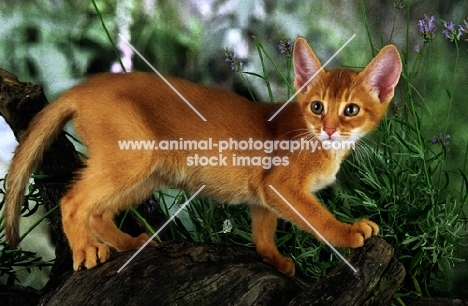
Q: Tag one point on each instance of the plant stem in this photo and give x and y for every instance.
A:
(450, 90)
(38, 222)
(366, 22)
(265, 72)
(109, 36)
(247, 85)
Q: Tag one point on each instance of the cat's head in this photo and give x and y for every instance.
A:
(342, 104)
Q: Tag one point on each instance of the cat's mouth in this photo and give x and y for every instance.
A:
(337, 136)
(327, 136)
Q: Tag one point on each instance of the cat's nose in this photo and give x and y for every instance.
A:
(329, 131)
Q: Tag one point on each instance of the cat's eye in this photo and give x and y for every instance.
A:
(316, 107)
(351, 110)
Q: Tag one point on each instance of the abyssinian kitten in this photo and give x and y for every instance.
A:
(336, 105)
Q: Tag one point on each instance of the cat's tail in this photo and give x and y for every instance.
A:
(41, 132)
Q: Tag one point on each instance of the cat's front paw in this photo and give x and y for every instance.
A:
(360, 231)
(90, 255)
(284, 264)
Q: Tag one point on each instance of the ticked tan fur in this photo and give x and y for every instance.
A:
(139, 106)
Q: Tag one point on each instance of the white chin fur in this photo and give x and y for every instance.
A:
(325, 137)
(337, 137)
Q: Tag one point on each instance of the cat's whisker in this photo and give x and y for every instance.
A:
(312, 140)
(307, 137)
(362, 149)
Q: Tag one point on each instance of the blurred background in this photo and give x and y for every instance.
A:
(58, 43)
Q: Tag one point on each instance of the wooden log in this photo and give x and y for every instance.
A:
(181, 273)
(377, 278)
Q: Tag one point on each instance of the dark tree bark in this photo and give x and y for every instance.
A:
(180, 273)
(19, 103)
(378, 275)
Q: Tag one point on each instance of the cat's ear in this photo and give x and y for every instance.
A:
(383, 72)
(306, 64)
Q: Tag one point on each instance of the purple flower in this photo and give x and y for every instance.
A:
(463, 28)
(231, 59)
(449, 26)
(416, 48)
(440, 139)
(285, 46)
(427, 28)
(450, 33)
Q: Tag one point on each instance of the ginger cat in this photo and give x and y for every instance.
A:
(336, 105)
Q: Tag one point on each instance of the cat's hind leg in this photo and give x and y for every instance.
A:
(87, 250)
(101, 220)
(88, 209)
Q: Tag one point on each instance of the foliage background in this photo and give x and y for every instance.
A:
(57, 43)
